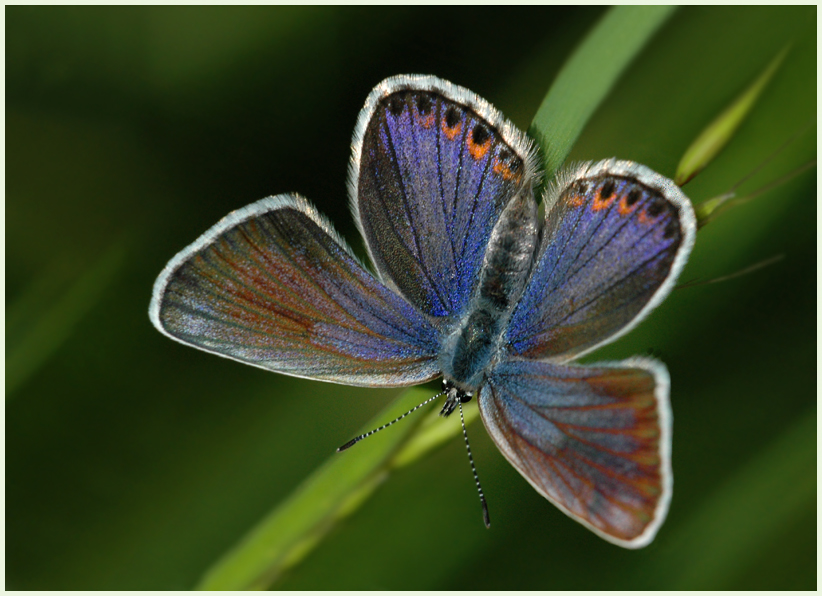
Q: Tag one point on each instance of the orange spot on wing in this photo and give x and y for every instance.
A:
(573, 200)
(599, 203)
(451, 133)
(645, 218)
(477, 151)
(426, 120)
(501, 169)
(624, 208)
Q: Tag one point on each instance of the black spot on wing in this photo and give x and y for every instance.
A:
(607, 190)
(656, 206)
(424, 104)
(396, 104)
(480, 134)
(452, 117)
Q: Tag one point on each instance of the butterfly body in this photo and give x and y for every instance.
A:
(471, 348)
(470, 284)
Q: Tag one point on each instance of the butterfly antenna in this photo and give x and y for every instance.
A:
(485, 517)
(356, 440)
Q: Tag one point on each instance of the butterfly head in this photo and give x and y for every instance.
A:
(453, 397)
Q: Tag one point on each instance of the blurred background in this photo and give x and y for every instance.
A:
(133, 462)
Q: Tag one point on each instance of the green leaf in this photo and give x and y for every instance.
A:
(588, 77)
(293, 528)
(712, 140)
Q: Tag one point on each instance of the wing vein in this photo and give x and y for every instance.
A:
(411, 221)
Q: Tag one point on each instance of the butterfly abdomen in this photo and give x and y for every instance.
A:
(509, 255)
(474, 343)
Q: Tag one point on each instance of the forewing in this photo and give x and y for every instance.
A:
(272, 285)
(433, 166)
(594, 440)
(616, 236)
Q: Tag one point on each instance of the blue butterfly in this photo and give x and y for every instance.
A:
(471, 285)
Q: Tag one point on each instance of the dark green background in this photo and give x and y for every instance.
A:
(133, 462)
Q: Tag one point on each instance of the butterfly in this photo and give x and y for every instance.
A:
(470, 283)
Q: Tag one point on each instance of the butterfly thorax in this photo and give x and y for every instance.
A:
(475, 341)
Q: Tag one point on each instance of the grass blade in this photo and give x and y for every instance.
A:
(292, 529)
(717, 134)
(41, 332)
(589, 75)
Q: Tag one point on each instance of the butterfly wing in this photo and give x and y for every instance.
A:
(616, 236)
(273, 285)
(594, 440)
(433, 166)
